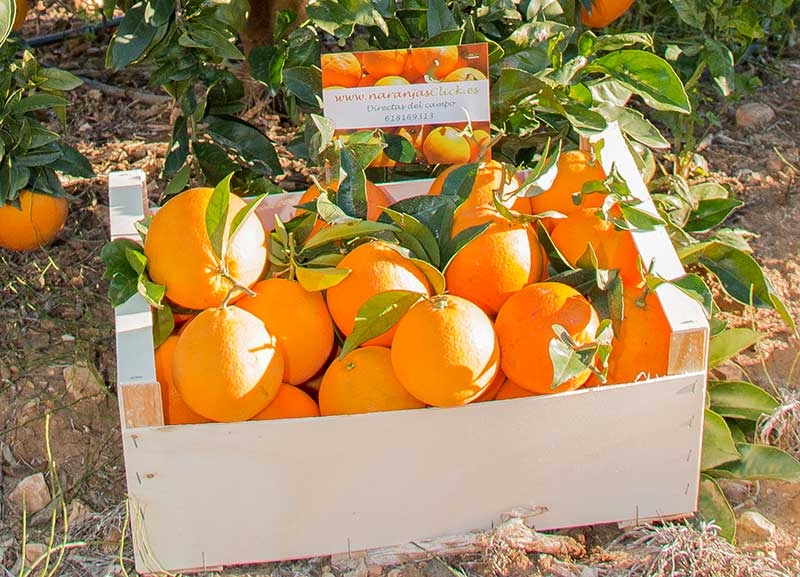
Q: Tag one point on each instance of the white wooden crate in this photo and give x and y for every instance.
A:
(220, 494)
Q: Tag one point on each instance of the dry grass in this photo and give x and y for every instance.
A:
(684, 550)
(782, 428)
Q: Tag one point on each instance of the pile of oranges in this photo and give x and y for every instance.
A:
(263, 347)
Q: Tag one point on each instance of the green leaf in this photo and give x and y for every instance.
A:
(352, 194)
(319, 279)
(38, 158)
(204, 37)
(714, 506)
(377, 315)
(428, 247)
(217, 215)
(266, 65)
(305, 82)
(434, 276)
(241, 217)
(124, 279)
(512, 86)
(639, 219)
(720, 64)
(163, 325)
(718, 445)
(440, 18)
(567, 358)
(177, 184)
(57, 79)
(72, 162)
(8, 11)
(710, 213)
(213, 161)
(647, 75)
(132, 38)
(740, 400)
(39, 101)
(692, 12)
(178, 147)
(761, 462)
(153, 293)
(451, 247)
(738, 272)
(331, 17)
(460, 181)
(728, 343)
(246, 141)
(635, 125)
(695, 287)
(399, 149)
(345, 231)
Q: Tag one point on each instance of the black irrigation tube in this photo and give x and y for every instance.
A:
(61, 36)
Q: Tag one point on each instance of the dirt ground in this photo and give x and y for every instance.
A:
(57, 350)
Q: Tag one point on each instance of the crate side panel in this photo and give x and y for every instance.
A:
(263, 491)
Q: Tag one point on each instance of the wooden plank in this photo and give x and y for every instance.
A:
(327, 485)
(127, 202)
(140, 405)
(138, 391)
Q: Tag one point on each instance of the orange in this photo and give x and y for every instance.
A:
(363, 382)
(490, 392)
(37, 221)
(176, 411)
(524, 328)
(367, 80)
(391, 81)
(180, 256)
(574, 169)
(299, 319)
(615, 248)
(480, 138)
(497, 263)
(464, 74)
(377, 198)
(604, 12)
(445, 351)
(22, 12)
(435, 61)
(522, 204)
(640, 349)
(374, 267)
(226, 365)
(511, 390)
(490, 179)
(340, 69)
(289, 403)
(380, 63)
(445, 145)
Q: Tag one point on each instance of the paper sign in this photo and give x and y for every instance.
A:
(437, 98)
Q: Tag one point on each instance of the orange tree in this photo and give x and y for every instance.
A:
(553, 81)
(33, 204)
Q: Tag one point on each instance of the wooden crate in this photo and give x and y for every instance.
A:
(219, 494)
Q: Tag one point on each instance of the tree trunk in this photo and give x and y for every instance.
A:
(260, 27)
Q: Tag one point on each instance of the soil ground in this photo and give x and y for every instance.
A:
(57, 351)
